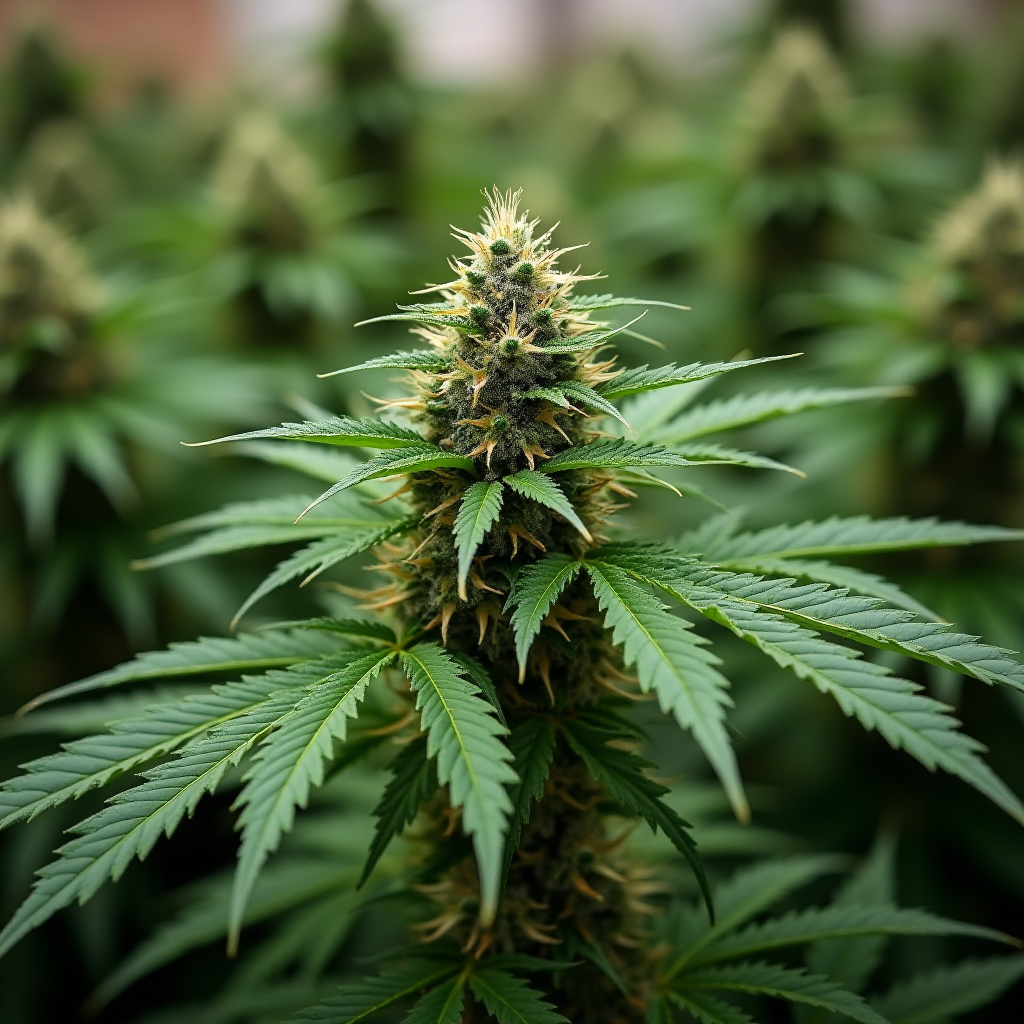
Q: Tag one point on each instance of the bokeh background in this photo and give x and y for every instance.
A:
(201, 197)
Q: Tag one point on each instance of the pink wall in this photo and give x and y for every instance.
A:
(179, 40)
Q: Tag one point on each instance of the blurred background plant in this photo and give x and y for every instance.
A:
(200, 200)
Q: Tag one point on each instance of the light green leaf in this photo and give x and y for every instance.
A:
(203, 657)
(417, 459)
(579, 303)
(672, 661)
(856, 580)
(834, 922)
(716, 455)
(745, 410)
(478, 512)
(510, 1000)
(289, 764)
(441, 1006)
(134, 820)
(536, 589)
(858, 535)
(322, 554)
(93, 761)
(633, 381)
(546, 492)
(341, 430)
(612, 455)
(361, 1000)
(463, 734)
(793, 985)
(942, 995)
(421, 359)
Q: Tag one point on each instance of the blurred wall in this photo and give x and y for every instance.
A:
(197, 43)
(181, 41)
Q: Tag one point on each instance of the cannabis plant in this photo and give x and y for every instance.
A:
(41, 85)
(370, 106)
(947, 320)
(67, 176)
(515, 624)
(87, 385)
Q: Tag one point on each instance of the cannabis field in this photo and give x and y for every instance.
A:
(541, 553)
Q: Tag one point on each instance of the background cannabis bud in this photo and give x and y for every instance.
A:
(795, 104)
(67, 176)
(46, 298)
(981, 241)
(265, 182)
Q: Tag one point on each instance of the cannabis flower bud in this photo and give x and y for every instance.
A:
(265, 182)
(793, 103)
(43, 277)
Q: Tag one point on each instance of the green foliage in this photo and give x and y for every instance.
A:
(462, 733)
(673, 662)
(546, 492)
(536, 589)
(478, 511)
(291, 762)
(413, 779)
(503, 637)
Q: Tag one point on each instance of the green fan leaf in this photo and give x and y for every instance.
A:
(430, 314)
(634, 381)
(463, 734)
(705, 1008)
(362, 1000)
(134, 820)
(89, 763)
(674, 663)
(441, 1006)
(942, 995)
(430, 360)
(859, 535)
(411, 459)
(869, 622)
(413, 780)
(537, 588)
(579, 303)
(622, 773)
(613, 455)
(856, 580)
(745, 410)
(281, 887)
(591, 339)
(478, 512)
(834, 922)
(587, 397)
(319, 556)
(542, 489)
(533, 748)
(903, 716)
(751, 891)
(244, 538)
(478, 675)
(510, 1000)
(793, 985)
(290, 763)
(716, 455)
(206, 656)
(853, 959)
(341, 430)
(321, 462)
